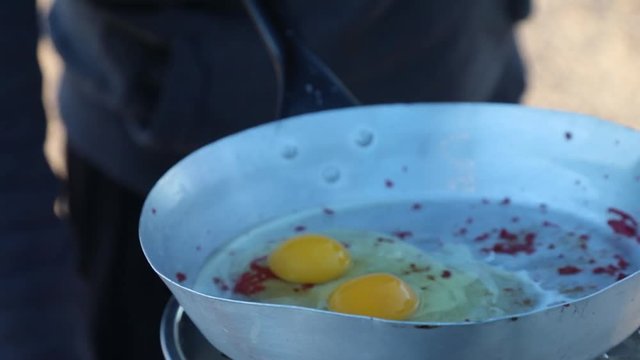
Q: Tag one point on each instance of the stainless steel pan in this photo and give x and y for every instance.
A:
(564, 176)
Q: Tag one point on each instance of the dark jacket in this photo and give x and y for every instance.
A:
(40, 298)
(190, 72)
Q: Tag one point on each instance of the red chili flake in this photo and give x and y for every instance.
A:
(609, 270)
(403, 234)
(506, 235)
(505, 201)
(413, 268)
(621, 276)
(469, 221)
(416, 206)
(300, 228)
(568, 135)
(484, 201)
(622, 263)
(222, 285)
(305, 287)
(512, 246)
(181, 277)
(252, 281)
(569, 270)
(388, 183)
(626, 225)
(551, 246)
(446, 274)
(582, 239)
(515, 219)
(482, 237)
(328, 211)
(385, 240)
(549, 224)
(153, 211)
(512, 249)
(529, 238)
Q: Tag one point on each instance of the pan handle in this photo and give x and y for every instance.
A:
(304, 83)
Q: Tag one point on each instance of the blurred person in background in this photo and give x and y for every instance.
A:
(40, 298)
(148, 81)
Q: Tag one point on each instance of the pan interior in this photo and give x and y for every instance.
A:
(564, 256)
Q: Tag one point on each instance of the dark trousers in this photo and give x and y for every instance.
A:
(126, 298)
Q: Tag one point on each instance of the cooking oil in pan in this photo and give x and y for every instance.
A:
(463, 261)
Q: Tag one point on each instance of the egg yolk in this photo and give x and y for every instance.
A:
(377, 295)
(309, 259)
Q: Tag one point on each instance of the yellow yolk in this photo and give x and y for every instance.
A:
(377, 295)
(309, 259)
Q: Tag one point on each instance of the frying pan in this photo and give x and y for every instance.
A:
(573, 180)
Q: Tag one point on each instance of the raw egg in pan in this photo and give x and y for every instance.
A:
(371, 274)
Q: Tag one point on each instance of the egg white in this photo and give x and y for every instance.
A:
(451, 285)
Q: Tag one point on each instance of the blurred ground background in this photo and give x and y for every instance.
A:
(582, 56)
